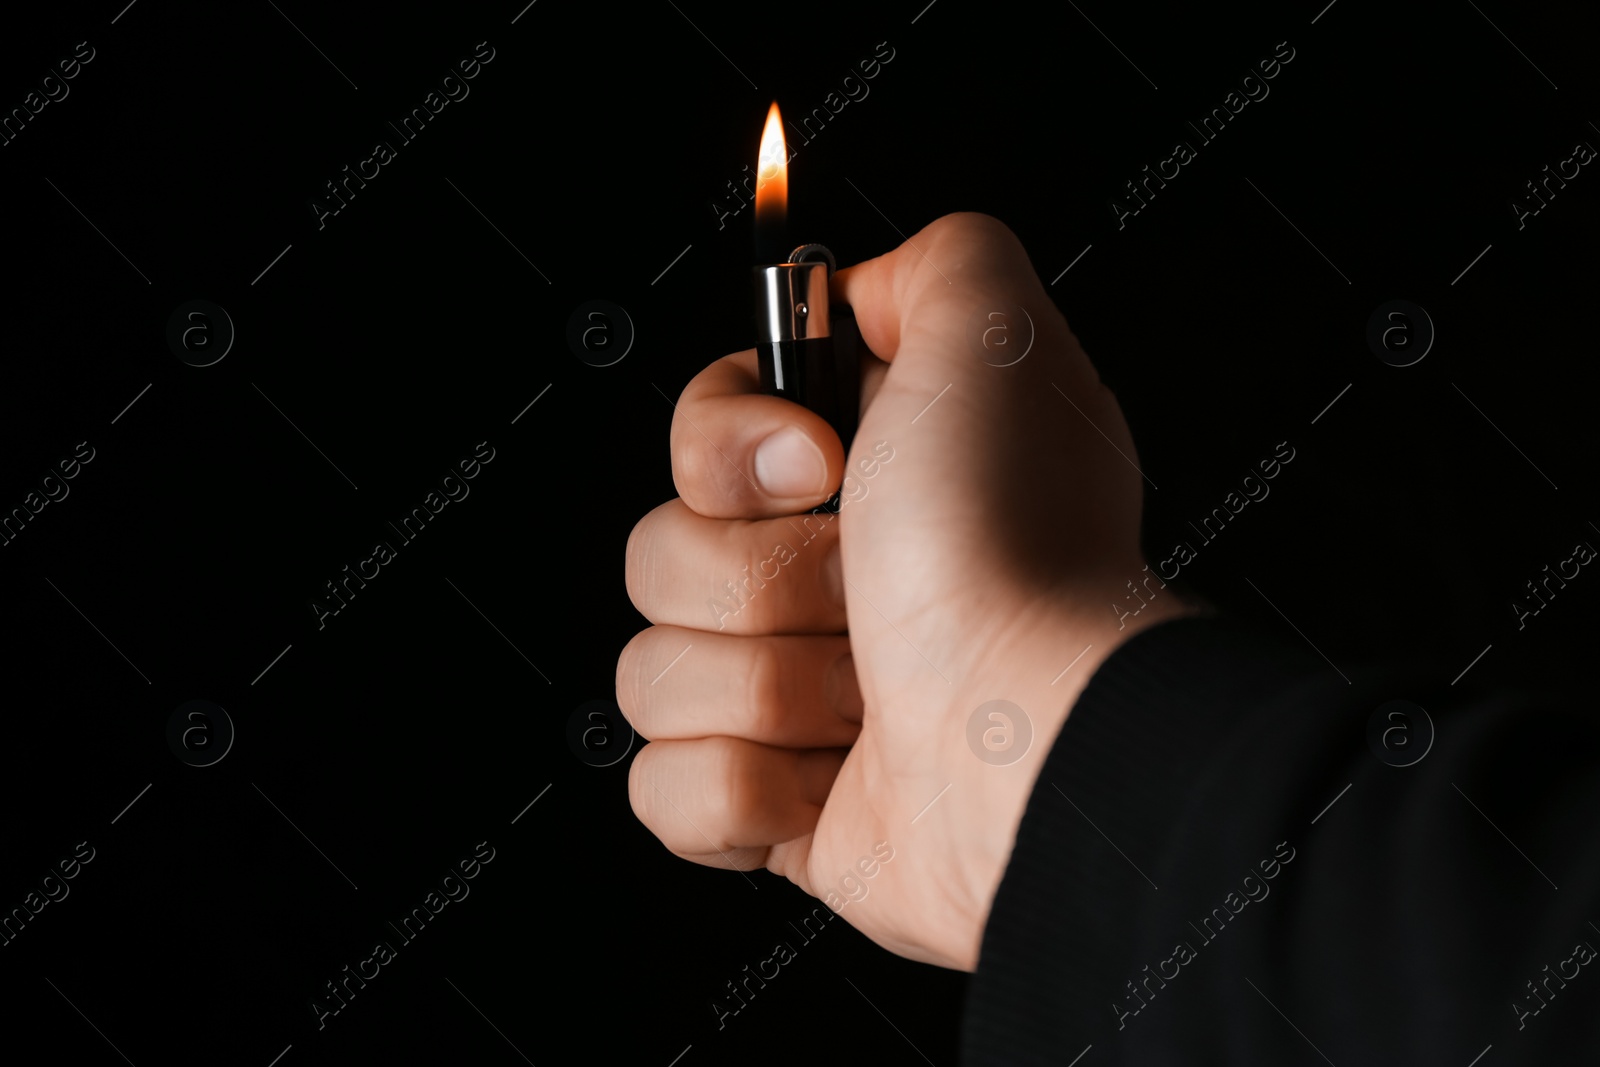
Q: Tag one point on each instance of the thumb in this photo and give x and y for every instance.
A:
(1009, 415)
(957, 299)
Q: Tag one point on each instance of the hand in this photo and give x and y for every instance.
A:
(991, 521)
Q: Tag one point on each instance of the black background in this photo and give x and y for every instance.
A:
(425, 716)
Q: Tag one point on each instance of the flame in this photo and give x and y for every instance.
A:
(772, 171)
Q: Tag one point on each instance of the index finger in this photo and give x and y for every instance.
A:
(738, 453)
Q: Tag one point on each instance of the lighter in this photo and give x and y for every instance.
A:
(807, 351)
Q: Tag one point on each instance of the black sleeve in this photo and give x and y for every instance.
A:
(1217, 865)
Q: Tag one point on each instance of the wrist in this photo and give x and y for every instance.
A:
(1059, 647)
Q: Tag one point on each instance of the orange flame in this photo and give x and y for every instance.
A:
(772, 171)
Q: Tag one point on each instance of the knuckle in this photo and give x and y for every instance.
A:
(630, 694)
(732, 788)
(689, 468)
(975, 224)
(636, 566)
(643, 573)
(740, 594)
(708, 480)
(702, 475)
(641, 796)
(763, 687)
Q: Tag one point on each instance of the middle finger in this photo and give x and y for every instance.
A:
(768, 576)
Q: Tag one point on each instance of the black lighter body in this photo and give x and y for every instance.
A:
(807, 352)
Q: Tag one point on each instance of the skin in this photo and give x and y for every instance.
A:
(981, 560)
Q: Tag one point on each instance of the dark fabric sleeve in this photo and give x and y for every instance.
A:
(1216, 866)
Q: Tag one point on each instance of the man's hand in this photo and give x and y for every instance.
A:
(991, 522)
